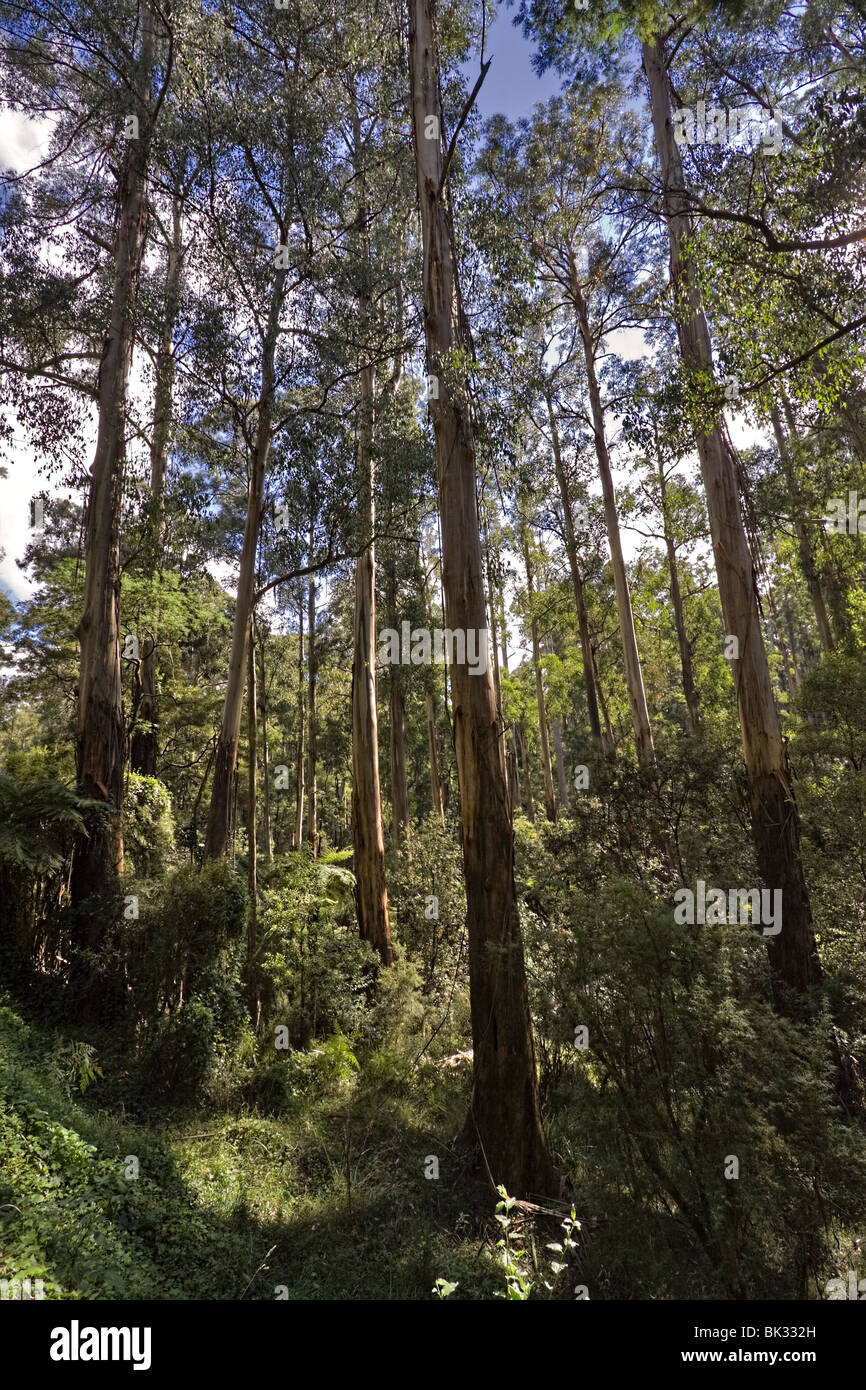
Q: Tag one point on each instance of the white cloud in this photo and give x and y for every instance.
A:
(23, 140)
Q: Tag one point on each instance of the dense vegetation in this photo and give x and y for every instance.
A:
(433, 736)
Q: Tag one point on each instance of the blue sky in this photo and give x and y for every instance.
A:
(511, 86)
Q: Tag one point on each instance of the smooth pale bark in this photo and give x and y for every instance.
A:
(689, 689)
(793, 953)
(504, 1117)
(219, 819)
(433, 755)
(513, 768)
(144, 744)
(300, 788)
(252, 810)
(527, 772)
(368, 834)
(562, 782)
(437, 795)
(576, 580)
(795, 673)
(544, 737)
(266, 771)
(791, 676)
(312, 734)
(494, 643)
(514, 787)
(397, 727)
(804, 540)
(99, 734)
(602, 704)
(631, 658)
(397, 732)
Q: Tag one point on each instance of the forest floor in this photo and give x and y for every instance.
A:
(331, 1203)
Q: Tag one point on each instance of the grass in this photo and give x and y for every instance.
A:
(328, 1203)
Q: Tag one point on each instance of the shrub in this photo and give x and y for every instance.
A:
(429, 906)
(184, 965)
(148, 826)
(39, 819)
(686, 1068)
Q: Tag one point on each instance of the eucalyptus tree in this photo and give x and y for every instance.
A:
(504, 1115)
(174, 240)
(580, 39)
(572, 514)
(525, 523)
(655, 425)
(375, 204)
(258, 92)
(789, 446)
(550, 178)
(100, 75)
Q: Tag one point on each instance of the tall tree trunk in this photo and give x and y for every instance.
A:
(437, 796)
(397, 725)
(602, 704)
(312, 734)
(494, 643)
(791, 677)
(513, 768)
(217, 839)
(775, 821)
(508, 751)
(266, 771)
(144, 744)
(433, 754)
(795, 673)
(252, 810)
(99, 734)
(399, 785)
(368, 834)
(804, 540)
(689, 690)
(544, 737)
(300, 745)
(527, 773)
(504, 1113)
(631, 658)
(576, 580)
(562, 781)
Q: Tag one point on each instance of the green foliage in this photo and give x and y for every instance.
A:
(148, 826)
(305, 1164)
(325, 1070)
(39, 818)
(687, 1067)
(512, 1255)
(429, 902)
(317, 972)
(183, 973)
(443, 1288)
(74, 1065)
(211, 1187)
